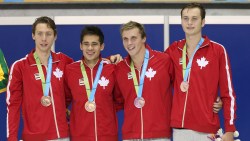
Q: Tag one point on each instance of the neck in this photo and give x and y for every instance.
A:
(192, 41)
(91, 63)
(139, 58)
(43, 56)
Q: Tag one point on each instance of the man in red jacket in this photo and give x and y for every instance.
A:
(36, 87)
(91, 82)
(201, 67)
(144, 78)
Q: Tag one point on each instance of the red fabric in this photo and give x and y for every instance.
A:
(24, 92)
(82, 123)
(156, 92)
(204, 82)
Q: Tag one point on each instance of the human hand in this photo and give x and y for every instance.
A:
(217, 105)
(228, 136)
(115, 58)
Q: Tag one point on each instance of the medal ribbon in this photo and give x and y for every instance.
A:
(91, 93)
(138, 88)
(186, 69)
(45, 84)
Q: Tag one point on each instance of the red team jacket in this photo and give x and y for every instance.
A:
(210, 71)
(154, 120)
(25, 90)
(86, 126)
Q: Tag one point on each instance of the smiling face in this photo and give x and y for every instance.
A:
(91, 48)
(133, 41)
(44, 37)
(192, 21)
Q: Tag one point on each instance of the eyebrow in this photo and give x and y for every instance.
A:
(90, 42)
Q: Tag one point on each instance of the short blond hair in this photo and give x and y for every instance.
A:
(132, 25)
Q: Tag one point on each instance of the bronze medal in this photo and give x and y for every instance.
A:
(46, 101)
(139, 102)
(184, 86)
(90, 106)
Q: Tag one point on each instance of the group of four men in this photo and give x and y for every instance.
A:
(43, 82)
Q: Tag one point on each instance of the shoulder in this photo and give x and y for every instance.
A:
(160, 55)
(21, 61)
(216, 44)
(122, 66)
(63, 57)
(217, 47)
(73, 64)
(19, 65)
(108, 66)
(123, 63)
(175, 45)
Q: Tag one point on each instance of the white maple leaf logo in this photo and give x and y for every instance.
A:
(202, 62)
(58, 73)
(103, 82)
(150, 73)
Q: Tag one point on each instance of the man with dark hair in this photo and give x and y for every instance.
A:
(201, 68)
(36, 86)
(91, 81)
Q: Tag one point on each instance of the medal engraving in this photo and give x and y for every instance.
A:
(46, 101)
(90, 106)
(139, 102)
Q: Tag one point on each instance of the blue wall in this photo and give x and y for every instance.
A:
(16, 42)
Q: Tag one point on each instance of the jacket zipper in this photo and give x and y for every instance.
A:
(91, 70)
(53, 107)
(54, 111)
(141, 112)
(95, 110)
(185, 104)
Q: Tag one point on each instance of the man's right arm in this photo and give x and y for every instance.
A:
(14, 101)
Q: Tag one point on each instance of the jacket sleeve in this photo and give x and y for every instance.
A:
(171, 66)
(4, 71)
(67, 60)
(227, 92)
(14, 101)
(68, 95)
(118, 98)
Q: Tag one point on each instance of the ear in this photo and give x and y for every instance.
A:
(102, 46)
(80, 46)
(33, 36)
(203, 23)
(55, 37)
(144, 39)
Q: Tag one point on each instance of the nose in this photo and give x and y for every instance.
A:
(190, 21)
(90, 47)
(129, 41)
(44, 37)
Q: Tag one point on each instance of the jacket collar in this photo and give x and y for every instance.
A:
(151, 54)
(182, 43)
(32, 62)
(96, 65)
